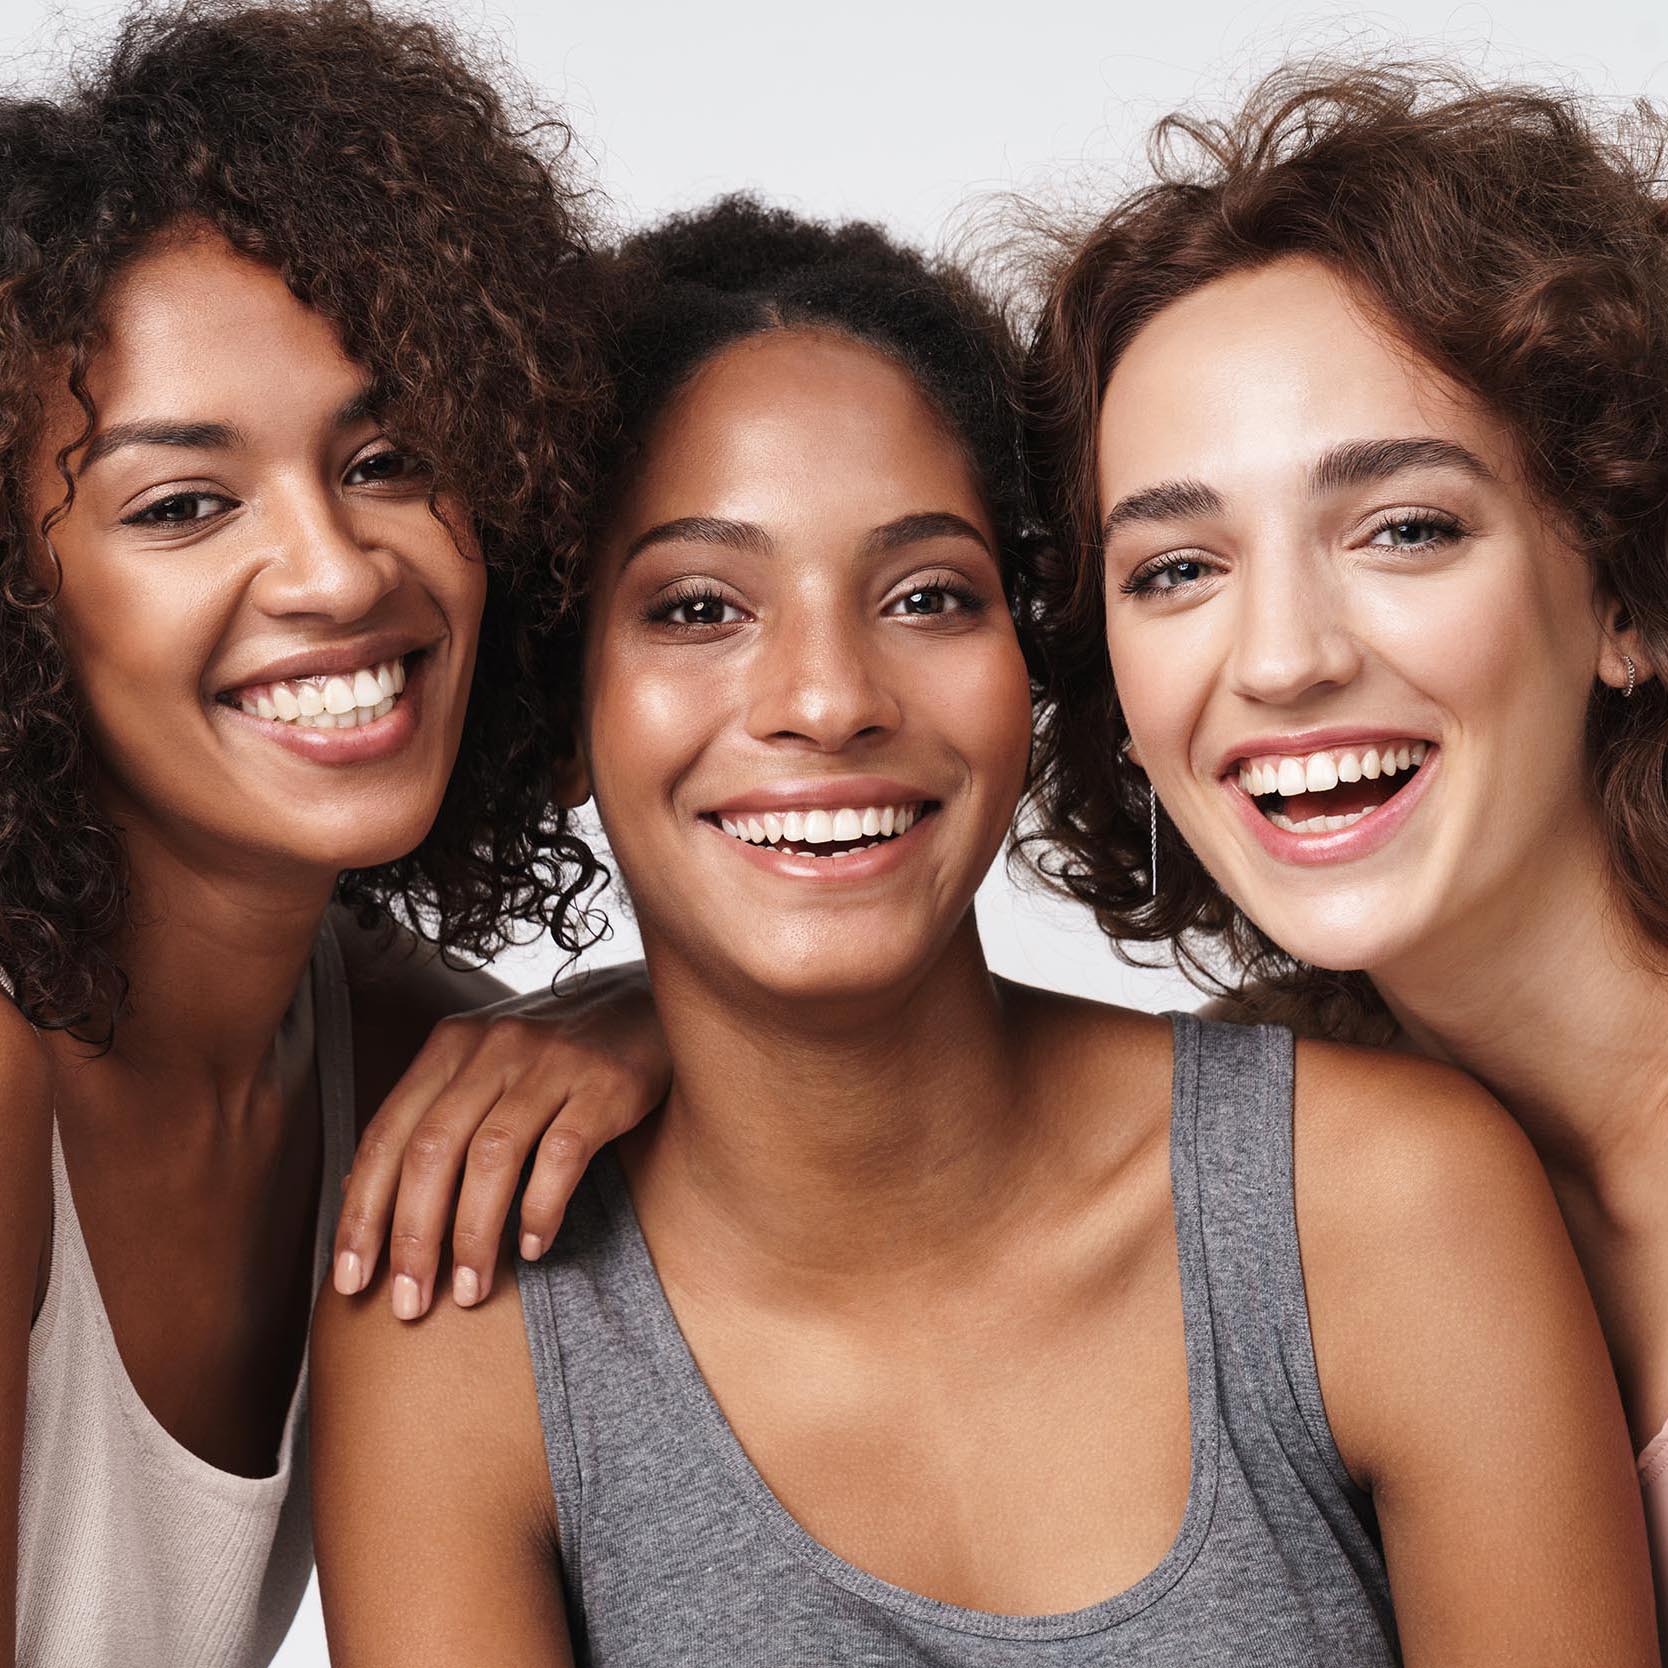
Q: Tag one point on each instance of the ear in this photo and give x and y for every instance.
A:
(570, 780)
(1622, 644)
(1131, 753)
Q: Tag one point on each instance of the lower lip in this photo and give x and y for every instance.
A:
(1342, 845)
(871, 864)
(363, 744)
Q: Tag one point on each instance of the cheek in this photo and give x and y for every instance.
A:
(1161, 678)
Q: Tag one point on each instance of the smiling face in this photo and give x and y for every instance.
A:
(271, 633)
(807, 715)
(1355, 655)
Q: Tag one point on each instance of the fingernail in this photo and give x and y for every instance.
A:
(532, 1247)
(350, 1274)
(408, 1299)
(466, 1286)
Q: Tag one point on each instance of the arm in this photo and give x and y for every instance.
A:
(464, 1097)
(1465, 1376)
(26, 1211)
(432, 1508)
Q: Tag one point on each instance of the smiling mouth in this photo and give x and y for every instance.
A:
(337, 701)
(822, 833)
(1324, 792)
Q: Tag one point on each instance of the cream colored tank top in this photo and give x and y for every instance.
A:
(132, 1551)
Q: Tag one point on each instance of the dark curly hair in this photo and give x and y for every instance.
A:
(1518, 240)
(428, 215)
(697, 283)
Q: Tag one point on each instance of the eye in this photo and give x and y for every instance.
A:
(694, 608)
(934, 598)
(178, 509)
(386, 466)
(1410, 530)
(1167, 573)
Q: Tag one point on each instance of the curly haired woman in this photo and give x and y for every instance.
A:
(1355, 428)
(295, 363)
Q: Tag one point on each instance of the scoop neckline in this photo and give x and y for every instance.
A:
(674, 1357)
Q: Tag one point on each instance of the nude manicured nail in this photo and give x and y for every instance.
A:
(408, 1299)
(466, 1287)
(532, 1247)
(350, 1274)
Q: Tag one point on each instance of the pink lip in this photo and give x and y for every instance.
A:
(1299, 742)
(820, 793)
(1343, 845)
(363, 744)
(331, 661)
(870, 864)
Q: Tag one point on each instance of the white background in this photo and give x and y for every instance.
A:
(915, 114)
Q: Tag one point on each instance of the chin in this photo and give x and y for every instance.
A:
(1356, 934)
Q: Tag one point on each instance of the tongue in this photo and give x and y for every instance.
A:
(1341, 800)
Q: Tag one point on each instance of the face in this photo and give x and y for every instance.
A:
(807, 716)
(272, 634)
(1354, 654)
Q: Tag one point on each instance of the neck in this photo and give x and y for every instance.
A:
(214, 959)
(1553, 999)
(820, 1138)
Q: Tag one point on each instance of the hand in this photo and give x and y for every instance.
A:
(565, 1073)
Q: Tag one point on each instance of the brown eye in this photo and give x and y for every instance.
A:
(178, 509)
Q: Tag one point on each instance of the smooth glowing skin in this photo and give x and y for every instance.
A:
(1309, 614)
(819, 591)
(913, 1222)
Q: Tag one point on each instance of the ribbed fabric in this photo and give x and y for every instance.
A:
(675, 1551)
(132, 1551)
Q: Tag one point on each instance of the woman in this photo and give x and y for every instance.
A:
(934, 1319)
(1354, 430)
(296, 363)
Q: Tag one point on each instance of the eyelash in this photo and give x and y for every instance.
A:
(1140, 584)
(146, 515)
(695, 593)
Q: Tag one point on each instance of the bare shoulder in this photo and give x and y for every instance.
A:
(1075, 1041)
(25, 1123)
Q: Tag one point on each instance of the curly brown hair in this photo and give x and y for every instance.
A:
(1518, 240)
(429, 215)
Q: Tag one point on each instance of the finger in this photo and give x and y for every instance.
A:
(434, 1162)
(491, 1175)
(566, 1148)
(369, 1189)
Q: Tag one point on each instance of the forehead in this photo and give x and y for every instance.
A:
(190, 324)
(791, 424)
(1256, 374)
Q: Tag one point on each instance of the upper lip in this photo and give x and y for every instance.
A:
(324, 660)
(822, 793)
(1296, 743)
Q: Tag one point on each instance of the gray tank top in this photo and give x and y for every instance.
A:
(675, 1551)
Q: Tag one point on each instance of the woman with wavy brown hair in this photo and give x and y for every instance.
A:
(1353, 426)
(296, 372)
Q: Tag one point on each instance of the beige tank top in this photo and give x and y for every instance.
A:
(132, 1551)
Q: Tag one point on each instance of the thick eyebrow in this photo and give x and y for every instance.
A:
(704, 529)
(204, 436)
(1364, 462)
(918, 528)
(1169, 501)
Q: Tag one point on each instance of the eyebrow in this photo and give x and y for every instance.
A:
(918, 528)
(201, 436)
(1169, 501)
(753, 540)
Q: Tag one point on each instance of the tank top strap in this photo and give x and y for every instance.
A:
(1238, 1084)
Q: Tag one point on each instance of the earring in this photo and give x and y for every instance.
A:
(1632, 676)
(1152, 830)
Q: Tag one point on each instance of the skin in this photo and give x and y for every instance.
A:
(275, 521)
(1487, 922)
(898, 1205)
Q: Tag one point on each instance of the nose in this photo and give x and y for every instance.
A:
(316, 559)
(822, 684)
(1292, 631)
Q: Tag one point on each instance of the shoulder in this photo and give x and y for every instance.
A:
(1262, 1004)
(25, 1129)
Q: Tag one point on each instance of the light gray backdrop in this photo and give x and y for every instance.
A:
(914, 113)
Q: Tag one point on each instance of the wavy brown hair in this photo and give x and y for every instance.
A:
(1517, 239)
(427, 213)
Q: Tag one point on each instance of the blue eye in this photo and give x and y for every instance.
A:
(1403, 531)
(1169, 573)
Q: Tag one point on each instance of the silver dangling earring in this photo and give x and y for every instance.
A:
(1632, 677)
(1152, 830)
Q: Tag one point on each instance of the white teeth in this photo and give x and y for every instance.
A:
(397, 668)
(848, 825)
(888, 820)
(1370, 769)
(310, 698)
(384, 679)
(843, 827)
(1314, 825)
(1291, 779)
(1418, 751)
(772, 827)
(366, 690)
(755, 831)
(1387, 761)
(819, 828)
(347, 699)
(338, 695)
(1404, 757)
(793, 827)
(384, 706)
(1349, 768)
(283, 698)
(1320, 774)
(871, 822)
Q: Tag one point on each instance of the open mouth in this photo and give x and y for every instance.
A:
(1321, 793)
(822, 833)
(337, 701)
